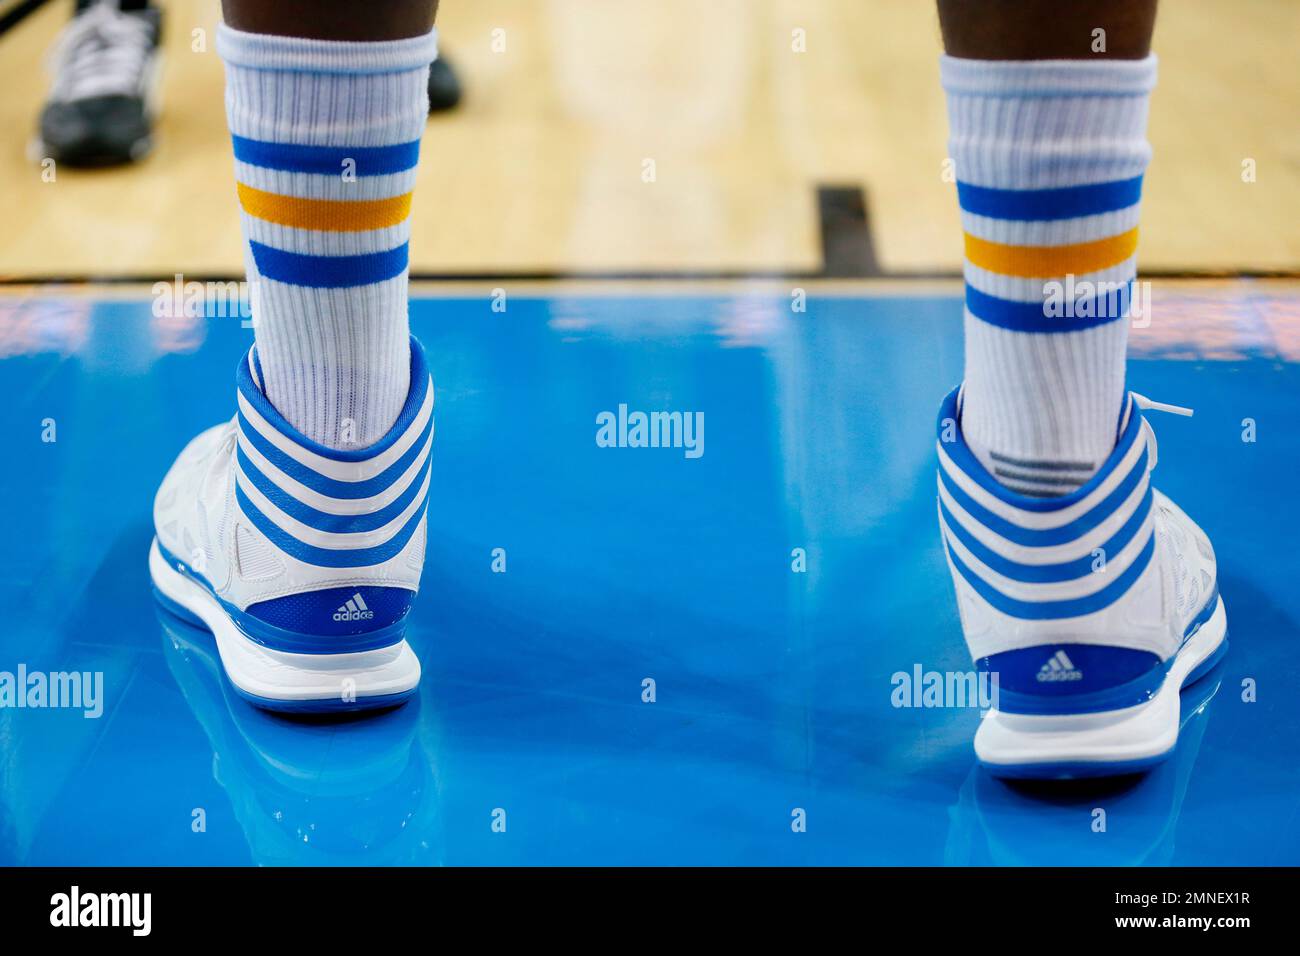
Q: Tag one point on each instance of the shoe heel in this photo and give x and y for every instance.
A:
(339, 620)
(1063, 679)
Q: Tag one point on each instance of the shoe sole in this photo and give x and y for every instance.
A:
(38, 151)
(283, 681)
(1111, 743)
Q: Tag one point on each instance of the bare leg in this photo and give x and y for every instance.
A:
(332, 19)
(1046, 29)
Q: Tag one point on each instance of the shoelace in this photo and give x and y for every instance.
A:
(1150, 405)
(102, 52)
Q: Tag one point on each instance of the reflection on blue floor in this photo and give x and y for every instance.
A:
(772, 689)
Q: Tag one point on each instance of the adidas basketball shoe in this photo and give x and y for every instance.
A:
(1092, 609)
(302, 560)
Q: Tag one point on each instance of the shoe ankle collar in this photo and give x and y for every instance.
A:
(1130, 446)
(249, 382)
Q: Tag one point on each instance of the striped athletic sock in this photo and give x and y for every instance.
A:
(326, 140)
(1049, 159)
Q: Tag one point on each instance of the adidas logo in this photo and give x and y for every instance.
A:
(354, 610)
(1059, 668)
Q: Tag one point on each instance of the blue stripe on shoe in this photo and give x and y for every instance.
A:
(1048, 573)
(291, 462)
(323, 520)
(964, 460)
(420, 386)
(1045, 205)
(329, 272)
(1053, 610)
(1032, 316)
(327, 160)
(330, 557)
(1046, 537)
(332, 487)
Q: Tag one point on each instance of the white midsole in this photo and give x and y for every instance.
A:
(1134, 733)
(280, 675)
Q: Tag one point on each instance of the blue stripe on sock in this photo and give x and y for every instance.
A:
(1043, 205)
(329, 272)
(327, 160)
(1031, 316)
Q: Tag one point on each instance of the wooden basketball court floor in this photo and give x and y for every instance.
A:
(541, 170)
(775, 172)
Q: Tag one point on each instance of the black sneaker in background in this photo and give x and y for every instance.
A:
(444, 86)
(98, 112)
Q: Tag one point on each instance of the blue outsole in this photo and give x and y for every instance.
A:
(340, 706)
(331, 706)
(1082, 769)
(1075, 770)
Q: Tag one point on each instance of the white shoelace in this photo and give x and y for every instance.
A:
(102, 52)
(1147, 404)
(1150, 404)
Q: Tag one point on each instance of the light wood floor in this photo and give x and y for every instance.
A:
(541, 170)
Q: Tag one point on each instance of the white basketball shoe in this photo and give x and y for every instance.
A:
(302, 560)
(1093, 609)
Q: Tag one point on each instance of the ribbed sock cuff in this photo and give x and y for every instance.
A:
(260, 51)
(1027, 78)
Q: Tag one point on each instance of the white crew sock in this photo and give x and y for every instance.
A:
(326, 139)
(1049, 158)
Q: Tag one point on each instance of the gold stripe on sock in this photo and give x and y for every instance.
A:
(325, 215)
(1045, 262)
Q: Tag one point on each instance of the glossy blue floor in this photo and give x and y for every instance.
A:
(531, 740)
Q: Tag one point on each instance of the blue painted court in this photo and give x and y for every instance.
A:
(772, 687)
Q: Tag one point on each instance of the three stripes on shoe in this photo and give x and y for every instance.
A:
(1036, 558)
(329, 508)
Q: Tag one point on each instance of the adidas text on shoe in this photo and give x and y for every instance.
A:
(354, 610)
(1093, 609)
(302, 560)
(1059, 667)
